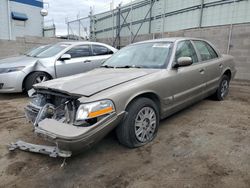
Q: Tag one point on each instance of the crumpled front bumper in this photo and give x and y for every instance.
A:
(52, 151)
(68, 139)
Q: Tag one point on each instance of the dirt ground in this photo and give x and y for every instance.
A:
(206, 145)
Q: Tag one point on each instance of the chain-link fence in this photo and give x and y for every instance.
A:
(145, 17)
(79, 29)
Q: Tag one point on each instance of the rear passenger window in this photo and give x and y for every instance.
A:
(205, 50)
(186, 49)
(101, 50)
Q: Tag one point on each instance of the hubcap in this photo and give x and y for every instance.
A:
(224, 88)
(145, 124)
(41, 79)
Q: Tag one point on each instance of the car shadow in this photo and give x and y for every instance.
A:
(9, 96)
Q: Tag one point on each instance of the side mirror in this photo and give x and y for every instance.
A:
(65, 57)
(183, 61)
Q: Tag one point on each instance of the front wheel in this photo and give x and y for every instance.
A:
(35, 78)
(223, 88)
(140, 126)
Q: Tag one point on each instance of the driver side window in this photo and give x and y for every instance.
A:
(186, 49)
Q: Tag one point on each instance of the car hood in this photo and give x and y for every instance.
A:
(17, 61)
(95, 81)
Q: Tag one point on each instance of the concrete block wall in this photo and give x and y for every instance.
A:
(219, 36)
(22, 45)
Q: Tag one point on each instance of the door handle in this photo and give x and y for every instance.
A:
(87, 61)
(202, 71)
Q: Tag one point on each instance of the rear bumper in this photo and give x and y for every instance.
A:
(11, 82)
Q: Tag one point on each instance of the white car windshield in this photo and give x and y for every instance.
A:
(36, 51)
(147, 55)
(52, 50)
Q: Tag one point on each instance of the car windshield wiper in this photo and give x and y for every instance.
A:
(107, 66)
(130, 66)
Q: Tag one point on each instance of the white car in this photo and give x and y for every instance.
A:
(44, 63)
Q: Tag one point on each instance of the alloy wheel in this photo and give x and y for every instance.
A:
(145, 124)
(41, 79)
(224, 88)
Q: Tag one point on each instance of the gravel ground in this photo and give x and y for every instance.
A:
(205, 145)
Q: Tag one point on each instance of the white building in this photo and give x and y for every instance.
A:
(20, 17)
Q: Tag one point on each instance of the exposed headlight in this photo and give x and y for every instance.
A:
(11, 69)
(95, 109)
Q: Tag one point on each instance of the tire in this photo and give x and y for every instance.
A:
(35, 78)
(223, 88)
(126, 131)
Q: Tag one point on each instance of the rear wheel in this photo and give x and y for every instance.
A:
(223, 88)
(35, 78)
(140, 126)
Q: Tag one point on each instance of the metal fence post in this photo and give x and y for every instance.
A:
(113, 33)
(163, 19)
(68, 30)
(231, 29)
(131, 21)
(79, 29)
(201, 14)
(118, 26)
(150, 15)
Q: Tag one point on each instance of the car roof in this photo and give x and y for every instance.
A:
(80, 42)
(170, 39)
(75, 43)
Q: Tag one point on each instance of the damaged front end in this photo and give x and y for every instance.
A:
(52, 106)
(61, 119)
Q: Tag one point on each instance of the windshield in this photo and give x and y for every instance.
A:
(35, 51)
(52, 50)
(148, 55)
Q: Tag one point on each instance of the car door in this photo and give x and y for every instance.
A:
(188, 83)
(212, 64)
(79, 62)
(100, 53)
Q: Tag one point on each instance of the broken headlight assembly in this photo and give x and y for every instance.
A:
(90, 112)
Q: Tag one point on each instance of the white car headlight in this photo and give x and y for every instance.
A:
(95, 109)
(11, 69)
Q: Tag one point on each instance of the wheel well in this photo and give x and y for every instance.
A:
(228, 73)
(32, 73)
(148, 95)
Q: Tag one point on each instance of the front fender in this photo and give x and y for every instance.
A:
(40, 67)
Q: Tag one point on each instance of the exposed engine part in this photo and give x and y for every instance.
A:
(44, 106)
(47, 111)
